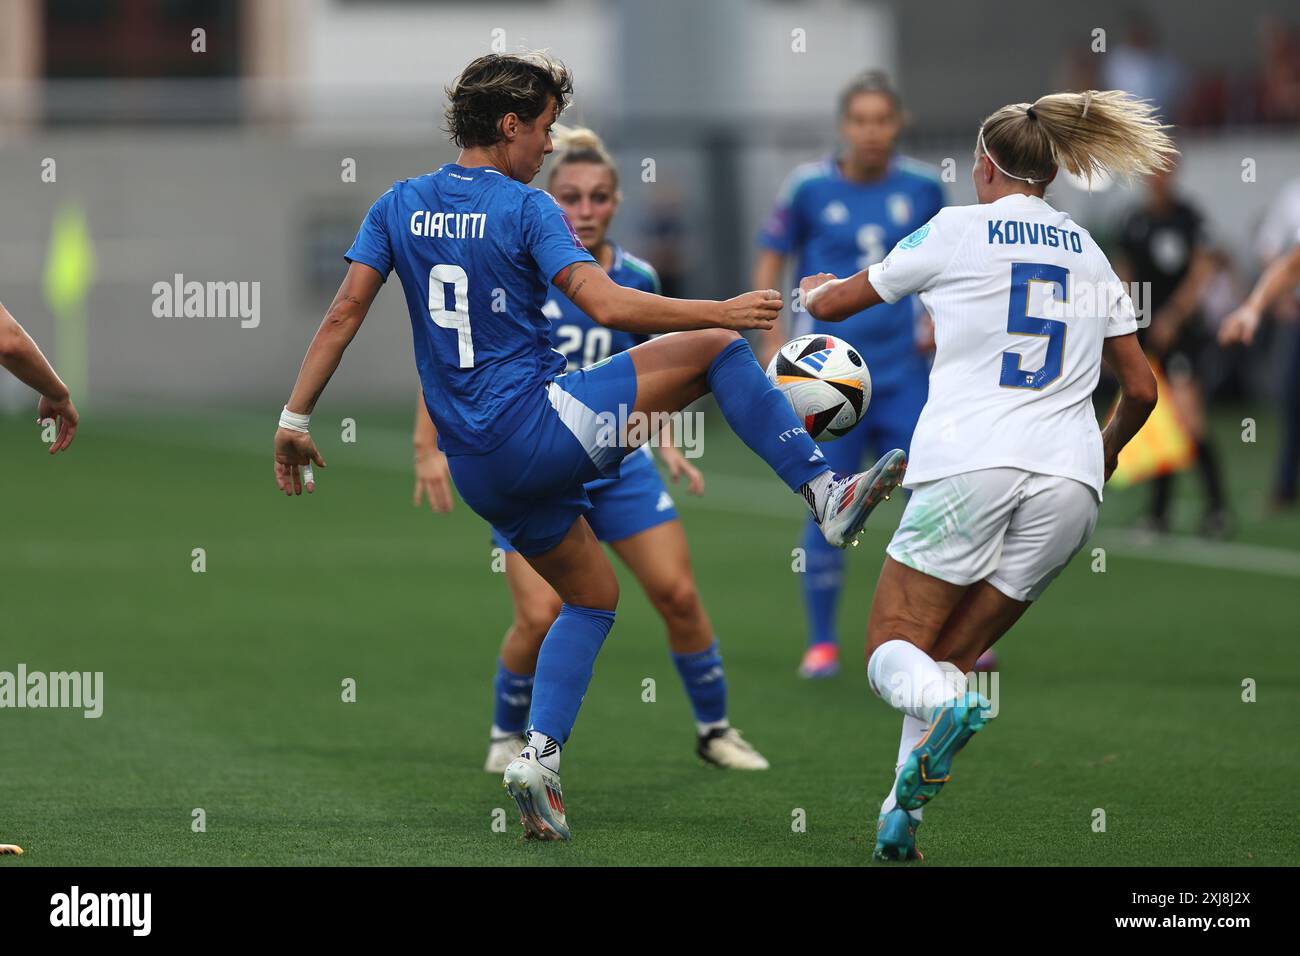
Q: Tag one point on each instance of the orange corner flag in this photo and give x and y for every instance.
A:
(1161, 447)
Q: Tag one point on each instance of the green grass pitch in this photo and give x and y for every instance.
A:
(1122, 691)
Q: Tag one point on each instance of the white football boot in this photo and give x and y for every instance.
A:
(502, 750)
(724, 747)
(852, 498)
(536, 791)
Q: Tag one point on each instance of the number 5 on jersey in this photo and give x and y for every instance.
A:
(449, 278)
(1020, 322)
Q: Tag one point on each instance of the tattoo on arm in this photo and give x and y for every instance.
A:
(343, 301)
(565, 280)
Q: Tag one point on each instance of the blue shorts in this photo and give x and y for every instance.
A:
(531, 487)
(889, 422)
(637, 500)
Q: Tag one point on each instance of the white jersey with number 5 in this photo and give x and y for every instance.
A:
(1022, 299)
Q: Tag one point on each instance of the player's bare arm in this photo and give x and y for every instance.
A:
(769, 272)
(591, 289)
(1137, 383)
(432, 475)
(1186, 299)
(829, 299)
(1282, 274)
(676, 463)
(294, 449)
(20, 355)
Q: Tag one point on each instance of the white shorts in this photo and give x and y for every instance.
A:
(1015, 529)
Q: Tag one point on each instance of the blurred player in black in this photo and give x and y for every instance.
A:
(1281, 276)
(1163, 243)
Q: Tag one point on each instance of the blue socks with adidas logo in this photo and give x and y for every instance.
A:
(762, 417)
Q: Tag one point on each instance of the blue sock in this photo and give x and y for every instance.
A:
(514, 695)
(564, 668)
(821, 582)
(762, 417)
(705, 683)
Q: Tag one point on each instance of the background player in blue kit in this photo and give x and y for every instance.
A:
(475, 250)
(840, 215)
(632, 513)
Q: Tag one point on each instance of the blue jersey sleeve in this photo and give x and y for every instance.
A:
(371, 247)
(548, 236)
(783, 231)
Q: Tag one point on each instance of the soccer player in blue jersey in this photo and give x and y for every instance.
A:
(475, 249)
(633, 512)
(839, 215)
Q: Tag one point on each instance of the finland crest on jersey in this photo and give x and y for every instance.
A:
(1022, 300)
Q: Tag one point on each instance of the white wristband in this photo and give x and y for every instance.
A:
(293, 421)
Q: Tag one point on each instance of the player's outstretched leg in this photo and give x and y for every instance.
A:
(675, 370)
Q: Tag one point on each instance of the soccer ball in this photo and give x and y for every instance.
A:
(826, 381)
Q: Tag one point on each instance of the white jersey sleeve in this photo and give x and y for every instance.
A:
(917, 262)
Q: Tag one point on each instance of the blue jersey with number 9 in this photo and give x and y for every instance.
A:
(475, 252)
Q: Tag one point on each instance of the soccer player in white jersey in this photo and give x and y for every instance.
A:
(1007, 462)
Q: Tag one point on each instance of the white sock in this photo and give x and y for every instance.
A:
(704, 728)
(548, 750)
(913, 731)
(816, 491)
(497, 733)
(909, 680)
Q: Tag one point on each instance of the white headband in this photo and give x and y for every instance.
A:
(1024, 179)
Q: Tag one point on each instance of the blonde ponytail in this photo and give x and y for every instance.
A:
(1084, 133)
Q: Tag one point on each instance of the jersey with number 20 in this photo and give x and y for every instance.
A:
(475, 252)
(581, 340)
(1022, 300)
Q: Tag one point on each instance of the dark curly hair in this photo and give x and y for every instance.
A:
(501, 83)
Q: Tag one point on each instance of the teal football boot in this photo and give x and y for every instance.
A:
(896, 837)
(928, 766)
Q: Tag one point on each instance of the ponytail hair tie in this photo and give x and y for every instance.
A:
(1031, 114)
